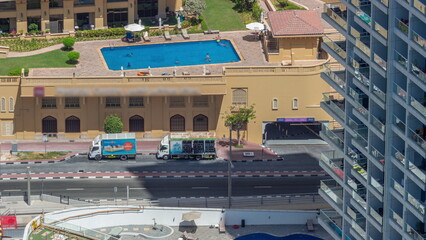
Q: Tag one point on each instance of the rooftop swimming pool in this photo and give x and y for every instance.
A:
(264, 236)
(170, 54)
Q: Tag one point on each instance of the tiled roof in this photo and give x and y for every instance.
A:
(295, 22)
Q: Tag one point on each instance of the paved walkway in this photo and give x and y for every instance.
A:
(35, 52)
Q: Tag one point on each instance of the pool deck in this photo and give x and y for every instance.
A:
(91, 62)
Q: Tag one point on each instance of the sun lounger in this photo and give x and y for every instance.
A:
(185, 34)
(146, 36)
(211, 32)
(310, 225)
(222, 228)
(167, 35)
(189, 236)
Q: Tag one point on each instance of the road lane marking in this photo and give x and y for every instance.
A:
(137, 188)
(74, 189)
(200, 187)
(12, 190)
(262, 186)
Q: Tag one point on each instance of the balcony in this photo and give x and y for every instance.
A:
(361, 109)
(359, 230)
(414, 234)
(401, 93)
(335, 103)
(420, 207)
(420, 173)
(360, 139)
(334, 136)
(420, 6)
(398, 123)
(399, 58)
(397, 219)
(333, 191)
(381, 30)
(334, 162)
(363, 47)
(336, 76)
(337, 47)
(419, 140)
(336, 14)
(377, 185)
(420, 107)
(360, 168)
(363, 16)
(377, 123)
(398, 188)
(360, 3)
(418, 39)
(382, 63)
(379, 93)
(420, 73)
(398, 156)
(402, 25)
(357, 198)
(376, 154)
(385, 2)
(328, 220)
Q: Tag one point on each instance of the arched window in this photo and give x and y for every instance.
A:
(177, 123)
(11, 104)
(239, 96)
(49, 124)
(3, 104)
(201, 123)
(136, 124)
(295, 104)
(72, 124)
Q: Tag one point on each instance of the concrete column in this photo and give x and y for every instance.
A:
(131, 11)
(45, 15)
(21, 16)
(162, 8)
(100, 14)
(68, 15)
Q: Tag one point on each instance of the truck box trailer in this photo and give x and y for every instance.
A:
(113, 145)
(186, 147)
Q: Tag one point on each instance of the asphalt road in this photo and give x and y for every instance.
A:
(150, 163)
(164, 188)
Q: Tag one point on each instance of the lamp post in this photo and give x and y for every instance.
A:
(229, 168)
(29, 185)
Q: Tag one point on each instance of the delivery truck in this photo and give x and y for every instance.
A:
(186, 147)
(113, 145)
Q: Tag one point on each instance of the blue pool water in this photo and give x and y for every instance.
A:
(170, 54)
(264, 236)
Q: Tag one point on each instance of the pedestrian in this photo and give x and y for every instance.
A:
(208, 59)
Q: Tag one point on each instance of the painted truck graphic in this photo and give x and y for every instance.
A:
(118, 146)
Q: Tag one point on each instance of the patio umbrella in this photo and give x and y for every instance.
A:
(149, 70)
(191, 216)
(140, 22)
(178, 22)
(255, 26)
(159, 23)
(134, 27)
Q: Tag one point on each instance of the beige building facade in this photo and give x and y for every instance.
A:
(75, 108)
(71, 15)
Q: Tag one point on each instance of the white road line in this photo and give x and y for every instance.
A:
(200, 187)
(262, 186)
(12, 190)
(137, 188)
(74, 189)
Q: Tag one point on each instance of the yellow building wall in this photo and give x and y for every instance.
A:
(303, 48)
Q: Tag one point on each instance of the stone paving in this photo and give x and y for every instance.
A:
(91, 63)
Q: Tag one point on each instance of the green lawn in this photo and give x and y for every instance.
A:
(53, 59)
(219, 15)
(281, 5)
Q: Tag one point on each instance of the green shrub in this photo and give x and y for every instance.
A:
(113, 124)
(73, 56)
(185, 24)
(101, 33)
(17, 72)
(68, 43)
(204, 26)
(257, 11)
(33, 28)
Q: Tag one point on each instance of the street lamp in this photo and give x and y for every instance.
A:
(229, 167)
(29, 185)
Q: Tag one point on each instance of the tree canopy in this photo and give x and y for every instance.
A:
(113, 124)
(195, 7)
(239, 117)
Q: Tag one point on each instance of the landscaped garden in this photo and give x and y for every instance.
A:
(286, 5)
(219, 15)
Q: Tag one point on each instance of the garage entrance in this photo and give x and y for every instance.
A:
(291, 129)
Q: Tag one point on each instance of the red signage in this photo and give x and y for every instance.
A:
(128, 146)
(8, 222)
(38, 91)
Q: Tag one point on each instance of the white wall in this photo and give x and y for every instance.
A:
(268, 217)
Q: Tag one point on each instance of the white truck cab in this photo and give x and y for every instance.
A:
(163, 150)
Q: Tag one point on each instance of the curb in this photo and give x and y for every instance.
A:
(41, 161)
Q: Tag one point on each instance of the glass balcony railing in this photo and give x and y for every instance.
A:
(354, 125)
(377, 155)
(333, 161)
(361, 109)
(382, 63)
(402, 26)
(398, 156)
(421, 174)
(359, 199)
(385, 2)
(360, 3)
(327, 216)
(335, 104)
(381, 30)
(352, 184)
(399, 123)
(355, 33)
(377, 123)
(397, 218)
(335, 47)
(379, 93)
(333, 136)
(377, 185)
(400, 92)
(363, 47)
(417, 138)
(399, 58)
(420, 6)
(398, 187)
(360, 170)
(364, 16)
(360, 140)
(416, 204)
(418, 72)
(418, 106)
(376, 216)
(333, 76)
(413, 233)
(418, 39)
(330, 187)
(337, 14)
(358, 229)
